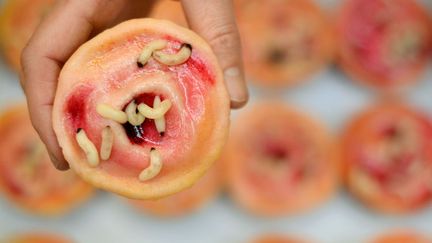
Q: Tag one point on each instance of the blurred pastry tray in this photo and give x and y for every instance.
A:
(329, 96)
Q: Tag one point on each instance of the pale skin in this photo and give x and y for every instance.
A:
(73, 22)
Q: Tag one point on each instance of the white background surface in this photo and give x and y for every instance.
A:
(329, 96)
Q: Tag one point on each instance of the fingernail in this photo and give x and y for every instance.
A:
(59, 165)
(236, 86)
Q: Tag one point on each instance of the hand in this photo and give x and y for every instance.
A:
(71, 23)
(215, 21)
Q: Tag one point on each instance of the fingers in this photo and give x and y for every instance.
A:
(215, 21)
(59, 35)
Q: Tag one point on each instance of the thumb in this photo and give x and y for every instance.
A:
(215, 21)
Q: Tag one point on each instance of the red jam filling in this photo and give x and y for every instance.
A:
(276, 152)
(76, 107)
(146, 132)
(198, 66)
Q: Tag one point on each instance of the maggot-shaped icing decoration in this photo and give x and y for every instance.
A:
(154, 168)
(107, 143)
(174, 59)
(159, 122)
(108, 112)
(134, 118)
(88, 147)
(148, 50)
(155, 112)
(155, 49)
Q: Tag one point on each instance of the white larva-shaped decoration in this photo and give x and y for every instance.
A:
(107, 143)
(148, 50)
(154, 113)
(108, 112)
(174, 59)
(134, 118)
(88, 147)
(159, 122)
(154, 168)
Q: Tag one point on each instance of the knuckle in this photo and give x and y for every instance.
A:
(224, 36)
(24, 56)
(28, 52)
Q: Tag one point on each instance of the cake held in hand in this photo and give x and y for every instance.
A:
(142, 109)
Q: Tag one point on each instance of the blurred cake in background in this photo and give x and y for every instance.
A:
(36, 238)
(401, 237)
(169, 10)
(187, 201)
(387, 152)
(27, 177)
(384, 44)
(284, 41)
(276, 239)
(279, 161)
(18, 20)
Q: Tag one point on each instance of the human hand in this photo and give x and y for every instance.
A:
(215, 22)
(71, 23)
